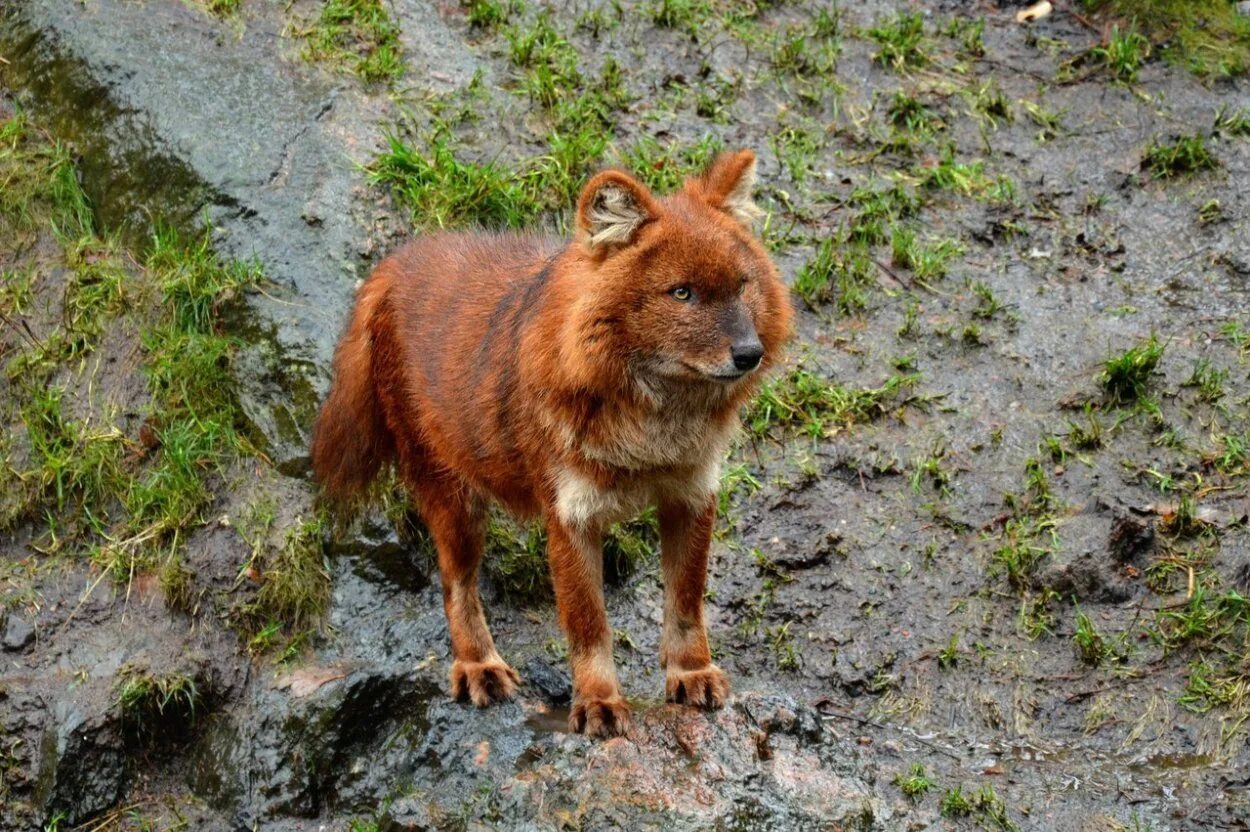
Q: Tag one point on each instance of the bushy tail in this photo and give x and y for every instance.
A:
(351, 440)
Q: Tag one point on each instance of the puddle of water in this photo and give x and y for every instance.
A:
(549, 720)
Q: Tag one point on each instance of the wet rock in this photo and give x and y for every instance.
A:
(1131, 537)
(147, 93)
(378, 553)
(1085, 564)
(83, 769)
(548, 681)
(778, 714)
(333, 747)
(857, 666)
(18, 634)
(806, 556)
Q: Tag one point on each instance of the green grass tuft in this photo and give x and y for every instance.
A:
(1123, 53)
(1209, 37)
(1184, 155)
(901, 42)
(840, 272)
(914, 783)
(358, 34)
(1126, 376)
(441, 190)
(804, 401)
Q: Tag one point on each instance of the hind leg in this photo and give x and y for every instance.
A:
(456, 519)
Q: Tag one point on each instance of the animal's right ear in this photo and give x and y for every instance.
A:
(611, 209)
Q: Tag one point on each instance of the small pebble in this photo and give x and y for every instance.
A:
(18, 634)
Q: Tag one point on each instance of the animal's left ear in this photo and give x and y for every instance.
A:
(611, 209)
(728, 184)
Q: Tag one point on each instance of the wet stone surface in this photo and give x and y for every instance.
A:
(901, 592)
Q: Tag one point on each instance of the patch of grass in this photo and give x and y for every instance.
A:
(1087, 436)
(929, 468)
(1028, 535)
(1231, 455)
(1123, 53)
(1091, 646)
(757, 607)
(1017, 559)
(152, 704)
(1206, 619)
(223, 8)
(969, 33)
(947, 173)
(1181, 156)
(1209, 686)
(908, 113)
(1125, 377)
(662, 166)
(1037, 616)
(599, 20)
(629, 545)
(911, 316)
(782, 643)
(359, 34)
(684, 15)
(38, 185)
(1210, 212)
(75, 465)
(128, 503)
(1208, 381)
(738, 481)
(488, 14)
(1048, 122)
(804, 50)
(877, 211)
(914, 782)
(797, 146)
(956, 804)
(1208, 36)
(901, 42)
(804, 401)
(295, 584)
(1232, 123)
(948, 656)
(985, 804)
(441, 190)
(516, 558)
(989, 103)
(988, 305)
(927, 260)
(840, 272)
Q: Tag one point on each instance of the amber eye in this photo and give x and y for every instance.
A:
(681, 293)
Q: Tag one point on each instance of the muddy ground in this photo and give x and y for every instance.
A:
(1005, 593)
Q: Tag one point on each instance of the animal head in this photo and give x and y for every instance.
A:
(680, 283)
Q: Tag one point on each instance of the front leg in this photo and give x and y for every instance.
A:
(576, 556)
(685, 539)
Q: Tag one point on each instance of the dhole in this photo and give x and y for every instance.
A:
(576, 381)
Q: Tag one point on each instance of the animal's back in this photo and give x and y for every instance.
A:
(458, 304)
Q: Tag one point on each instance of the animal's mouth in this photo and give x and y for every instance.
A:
(721, 377)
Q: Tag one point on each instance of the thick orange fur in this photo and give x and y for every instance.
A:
(576, 381)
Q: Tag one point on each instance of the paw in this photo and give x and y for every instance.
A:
(600, 717)
(483, 682)
(707, 687)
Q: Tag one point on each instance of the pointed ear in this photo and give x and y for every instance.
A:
(728, 184)
(611, 209)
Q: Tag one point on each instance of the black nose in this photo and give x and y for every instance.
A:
(747, 355)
